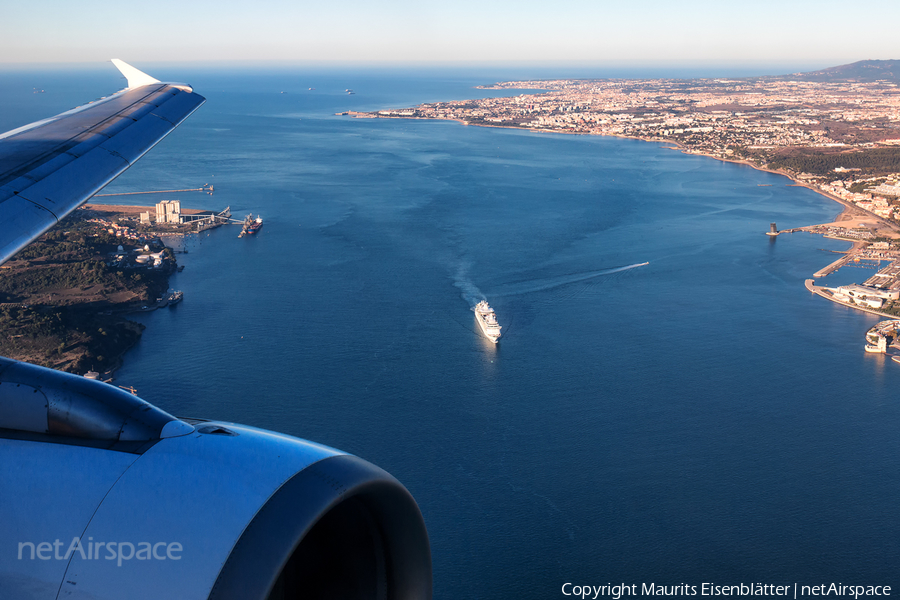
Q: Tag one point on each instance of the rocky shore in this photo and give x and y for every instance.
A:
(64, 298)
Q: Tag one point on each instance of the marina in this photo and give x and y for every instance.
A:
(878, 295)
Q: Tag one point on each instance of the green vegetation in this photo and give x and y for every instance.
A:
(20, 284)
(874, 161)
(891, 308)
(70, 339)
(59, 296)
(72, 260)
(862, 186)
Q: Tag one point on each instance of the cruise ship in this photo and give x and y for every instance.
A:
(486, 318)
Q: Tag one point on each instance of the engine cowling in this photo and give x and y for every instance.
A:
(107, 496)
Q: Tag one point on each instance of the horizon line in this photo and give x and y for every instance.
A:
(761, 68)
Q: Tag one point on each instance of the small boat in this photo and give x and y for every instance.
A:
(175, 297)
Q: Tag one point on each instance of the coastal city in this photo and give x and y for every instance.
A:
(842, 137)
(835, 131)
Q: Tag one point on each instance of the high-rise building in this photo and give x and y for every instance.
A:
(168, 211)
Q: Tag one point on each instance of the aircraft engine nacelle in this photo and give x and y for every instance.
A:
(105, 496)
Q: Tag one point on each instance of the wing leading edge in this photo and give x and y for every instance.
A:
(50, 168)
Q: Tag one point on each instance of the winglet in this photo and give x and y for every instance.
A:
(135, 77)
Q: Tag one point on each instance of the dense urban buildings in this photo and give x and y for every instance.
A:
(837, 130)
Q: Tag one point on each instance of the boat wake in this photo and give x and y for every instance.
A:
(468, 290)
(473, 295)
(540, 285)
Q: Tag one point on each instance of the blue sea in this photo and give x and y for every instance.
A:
(701, 418)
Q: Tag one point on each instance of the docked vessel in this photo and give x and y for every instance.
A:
(251, 225)
(486, 318)
(175, 297)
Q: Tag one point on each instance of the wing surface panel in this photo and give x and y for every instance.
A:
(20, 217)
(51, 167)
(20, 148)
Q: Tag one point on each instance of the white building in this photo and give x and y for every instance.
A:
(865, 296)
(168, 211)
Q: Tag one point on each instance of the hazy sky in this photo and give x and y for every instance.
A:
(458, 31)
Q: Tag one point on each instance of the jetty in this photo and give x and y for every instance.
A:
(833, 266)
(206, 187)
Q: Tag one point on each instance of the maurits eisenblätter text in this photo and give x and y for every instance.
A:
(794, 590)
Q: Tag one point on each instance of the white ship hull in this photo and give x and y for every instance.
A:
(487, 320)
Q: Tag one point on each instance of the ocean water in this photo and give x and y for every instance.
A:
(701, 418)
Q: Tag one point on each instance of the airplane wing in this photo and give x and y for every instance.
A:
(50, 168)
(105, 496)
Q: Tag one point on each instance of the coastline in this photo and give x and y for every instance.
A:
(848, 208)
(119, 359)
(66, 300)
(819, 291)
(850, 213)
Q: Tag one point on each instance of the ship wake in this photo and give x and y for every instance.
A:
(540, 285)
(472, 294)
(469, 291)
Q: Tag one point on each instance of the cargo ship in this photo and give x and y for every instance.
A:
(251, 225)
(486, 318)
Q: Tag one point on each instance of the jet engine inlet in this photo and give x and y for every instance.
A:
(341, 528)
